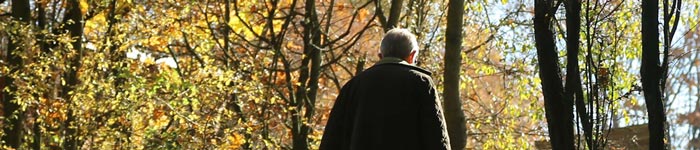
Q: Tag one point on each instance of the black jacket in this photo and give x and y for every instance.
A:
(391, 105)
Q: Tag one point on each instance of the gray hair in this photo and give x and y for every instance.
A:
(398, 43)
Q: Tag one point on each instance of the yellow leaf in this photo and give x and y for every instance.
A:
(149, 61)
(84, 6)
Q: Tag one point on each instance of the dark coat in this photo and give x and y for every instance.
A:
(388, 106)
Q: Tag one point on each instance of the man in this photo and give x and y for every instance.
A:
(391, 105)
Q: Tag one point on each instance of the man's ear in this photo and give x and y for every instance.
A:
(380, 55)
(410, 57)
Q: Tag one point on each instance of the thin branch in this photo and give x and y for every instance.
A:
(192, 49)
(177, 63)
(490, 38)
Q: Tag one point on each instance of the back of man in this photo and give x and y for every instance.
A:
(392, 105)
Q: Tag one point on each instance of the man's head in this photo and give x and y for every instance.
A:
(399, 43)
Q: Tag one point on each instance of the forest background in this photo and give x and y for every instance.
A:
(263, 74)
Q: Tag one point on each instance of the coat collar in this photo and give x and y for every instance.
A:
(391, 60)
(401, 62)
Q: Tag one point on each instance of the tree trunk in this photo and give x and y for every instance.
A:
(574, 91)
(308, 77)
(651, 74)
(394, 15)
(75, 30)
(13, 130)
(558, 111)
(454, 116)
(44, 46)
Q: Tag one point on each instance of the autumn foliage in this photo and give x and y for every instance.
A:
(263, 74)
